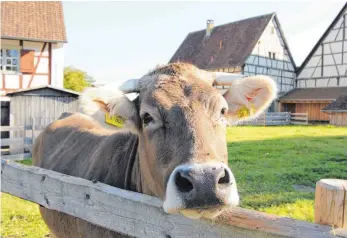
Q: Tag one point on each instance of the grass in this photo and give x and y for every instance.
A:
(276, 169)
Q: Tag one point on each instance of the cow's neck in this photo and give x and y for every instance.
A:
(134, 180)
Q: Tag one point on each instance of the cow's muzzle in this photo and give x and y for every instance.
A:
(200, 187)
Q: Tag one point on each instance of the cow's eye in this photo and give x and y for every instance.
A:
(223, 111)
(147, 119)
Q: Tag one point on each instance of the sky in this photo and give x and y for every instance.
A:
(114, 40)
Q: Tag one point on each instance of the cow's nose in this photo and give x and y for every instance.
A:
(202, 185)
(186, 178)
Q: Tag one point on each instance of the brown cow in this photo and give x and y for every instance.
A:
(172, 145)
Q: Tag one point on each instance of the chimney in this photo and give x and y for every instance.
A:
(209, 27)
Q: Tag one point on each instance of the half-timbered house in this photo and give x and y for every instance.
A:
(32, 48)
(322, 77)
(32, 45)
(251, 46)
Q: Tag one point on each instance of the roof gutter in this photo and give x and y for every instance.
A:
(335, 110)
(32, 39)
(296, 99)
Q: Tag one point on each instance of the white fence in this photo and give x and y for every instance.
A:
(140, 215)
(278, 119)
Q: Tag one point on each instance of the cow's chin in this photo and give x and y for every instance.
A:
(209, 213)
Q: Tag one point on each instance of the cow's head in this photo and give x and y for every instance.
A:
(180, 119)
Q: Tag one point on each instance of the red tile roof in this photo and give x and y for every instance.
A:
(36, 20)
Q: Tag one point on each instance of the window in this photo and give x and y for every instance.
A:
(272, 55)
(9, 60)
(272, 30)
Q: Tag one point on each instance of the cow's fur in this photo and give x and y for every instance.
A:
(188, 128)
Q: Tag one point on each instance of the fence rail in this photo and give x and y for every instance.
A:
(19, 147)
(141, 215)
(277, 118)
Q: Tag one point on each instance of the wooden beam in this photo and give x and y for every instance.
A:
(49, 63)
(322, 65)
(21, 75)
(37, 64)
(141, 215)
(3, 81)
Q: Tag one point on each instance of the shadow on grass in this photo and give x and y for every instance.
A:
(268, 172)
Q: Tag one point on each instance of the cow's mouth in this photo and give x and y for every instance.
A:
(209, 213)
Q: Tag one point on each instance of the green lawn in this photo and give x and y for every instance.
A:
(276, 169)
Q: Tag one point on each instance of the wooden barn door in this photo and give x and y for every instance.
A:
(289, 107)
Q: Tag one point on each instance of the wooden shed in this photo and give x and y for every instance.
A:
(41, 104)
(310, 101)
(337, 111)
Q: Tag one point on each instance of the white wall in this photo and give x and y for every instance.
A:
(281, 69)
(328, 62)
(58, 65)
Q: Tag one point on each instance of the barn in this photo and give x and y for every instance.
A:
(337, 111)
(41, 105)
(322, 77)
(250, 46)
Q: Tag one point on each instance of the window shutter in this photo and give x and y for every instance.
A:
(27, 61)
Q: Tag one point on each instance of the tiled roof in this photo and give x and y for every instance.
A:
(34, 20)
(237, 40)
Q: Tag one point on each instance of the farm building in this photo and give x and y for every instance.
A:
(337, 111)
(32, 49)
(322, 77)
(251, 46)
(43, 104)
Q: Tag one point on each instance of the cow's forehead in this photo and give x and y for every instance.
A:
(180, 89)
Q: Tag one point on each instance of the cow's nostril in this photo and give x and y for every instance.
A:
(225, 179)
(182, 183)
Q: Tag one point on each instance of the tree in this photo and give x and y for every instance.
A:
(76, 79)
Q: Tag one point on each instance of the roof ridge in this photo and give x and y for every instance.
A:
(240, 20)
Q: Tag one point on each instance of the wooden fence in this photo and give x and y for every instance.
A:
(277, 118)
(299, 118)
(20, 145)
(141, 215)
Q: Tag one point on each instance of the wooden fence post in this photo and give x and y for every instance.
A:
(32, 131)
(331, 203)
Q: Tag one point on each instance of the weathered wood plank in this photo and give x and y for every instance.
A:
(298, 118)
(16, 157)
(330, 202)
(10, 141)
(11, 128)
(137, 214)
(299, 114)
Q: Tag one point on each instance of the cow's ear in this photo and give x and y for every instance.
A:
(248, 97)
(110, 107)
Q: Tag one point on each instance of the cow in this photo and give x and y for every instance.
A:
(170, 141)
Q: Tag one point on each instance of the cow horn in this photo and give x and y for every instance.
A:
(130, 86)
(221, 78)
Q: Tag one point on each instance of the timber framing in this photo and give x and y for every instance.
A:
(320, 41)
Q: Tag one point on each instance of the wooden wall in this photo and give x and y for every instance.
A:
(44, 109)
(338, 118)
(313, 110)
